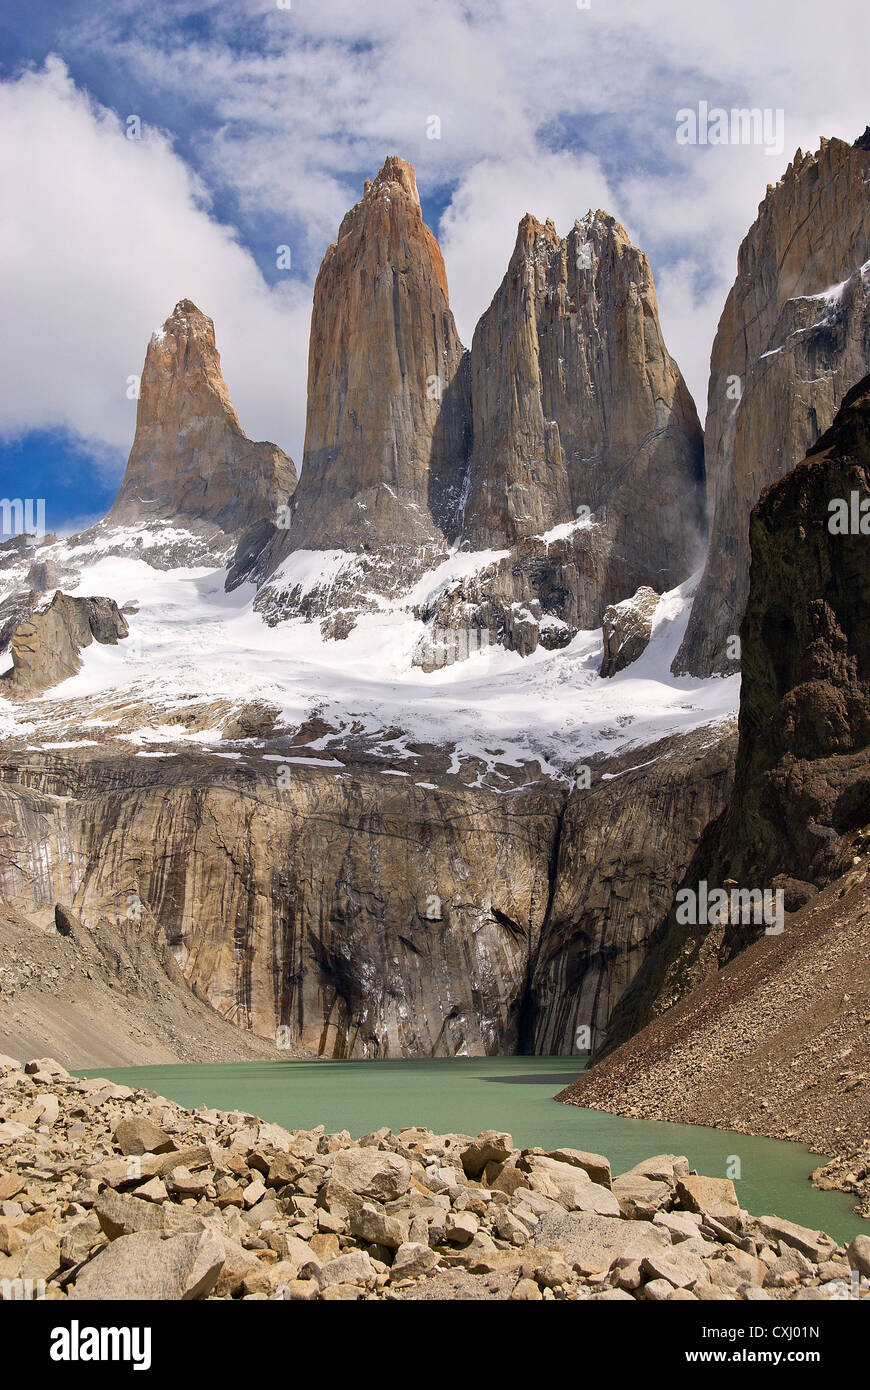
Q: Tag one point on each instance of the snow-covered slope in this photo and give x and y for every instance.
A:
(191, 643)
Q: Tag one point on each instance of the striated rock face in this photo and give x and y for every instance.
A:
(190, 457)
(624, 847)
(365, 915)
(577, 403)
(800, 810)
(45, 646)
(360, 913)
(627, 628)
(793, 338)
(387, 425)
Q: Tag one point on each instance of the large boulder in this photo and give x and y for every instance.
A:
(145, 1266)
(371, 1173)
(627, 628)
(568, 1185)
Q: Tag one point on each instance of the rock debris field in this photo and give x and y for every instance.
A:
(111, 1193)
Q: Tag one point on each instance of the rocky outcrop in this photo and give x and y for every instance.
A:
(627, 628)
(45, 646)
(190, 458)
(387, 426)
(577, 403)
(566, 441)
(116, 1193)
(801, 799)
(587, 468)
(793, 338)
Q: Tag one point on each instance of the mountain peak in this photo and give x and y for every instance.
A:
(384, 433)
(395, 172)
(190, 456)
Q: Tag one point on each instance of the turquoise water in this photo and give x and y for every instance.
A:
(512, 1093)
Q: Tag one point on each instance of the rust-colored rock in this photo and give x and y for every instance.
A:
(190, 457)
(385, 437)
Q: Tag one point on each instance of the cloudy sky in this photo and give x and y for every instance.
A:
(260, 119)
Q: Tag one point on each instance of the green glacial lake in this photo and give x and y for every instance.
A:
(512, 1093)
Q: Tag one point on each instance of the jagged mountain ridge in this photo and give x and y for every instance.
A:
(567, 404)
(793, 338)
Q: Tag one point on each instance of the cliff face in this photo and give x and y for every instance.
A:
(577, 403)
(800, 810)
(361, 913)
(386, 431)
(624, 847)
(190, 457)
(793, 338)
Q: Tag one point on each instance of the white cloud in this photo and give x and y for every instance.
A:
(100, 236)
(544, 107)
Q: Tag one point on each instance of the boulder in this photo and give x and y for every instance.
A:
(716, 1196)
(596, 1165)
(353, 1268)
(139, 1135)
(816, 1245)
(145, 1266)
(627, 628)
(569, 1185)
(411, 1261)
(371, 1173)
(592, 1242)
(492, 1146)
(123, 1215)
(858, 1255)
(374, 1226)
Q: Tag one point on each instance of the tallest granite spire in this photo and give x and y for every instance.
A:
(385, 434)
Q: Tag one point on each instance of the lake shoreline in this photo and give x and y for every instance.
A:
(111, 1191)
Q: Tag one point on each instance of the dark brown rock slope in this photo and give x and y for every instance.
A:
(777, 1043)
(802, 785)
